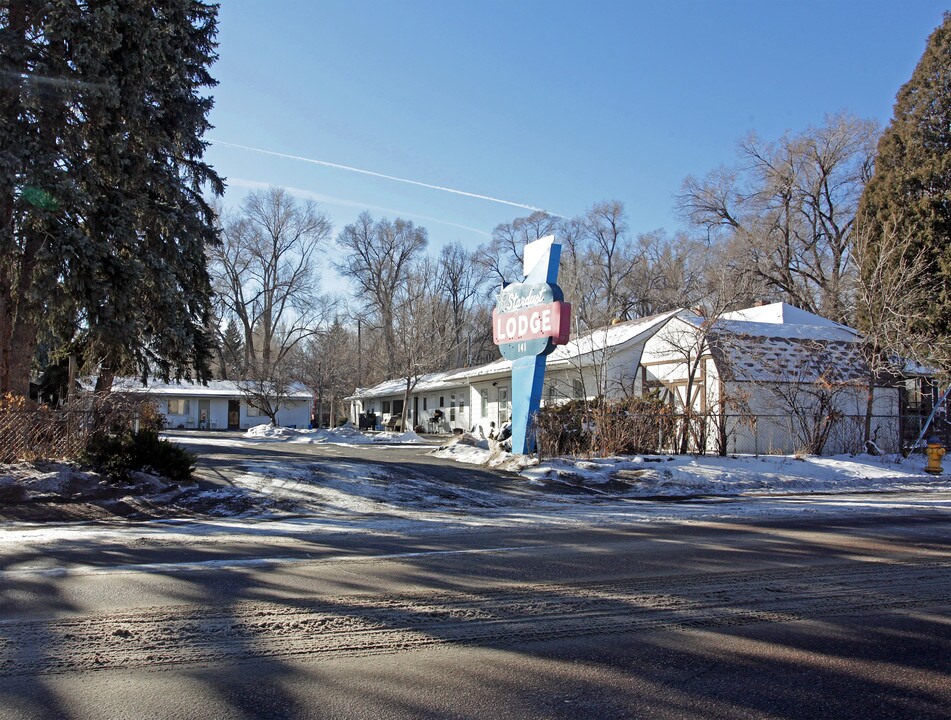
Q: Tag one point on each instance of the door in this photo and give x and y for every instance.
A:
(204, 413)
(505, 409)
(234, 414)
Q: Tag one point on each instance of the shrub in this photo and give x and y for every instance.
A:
(562, 429)
(118, 455)
(604, 427)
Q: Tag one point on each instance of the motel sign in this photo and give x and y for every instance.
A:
(530, 319)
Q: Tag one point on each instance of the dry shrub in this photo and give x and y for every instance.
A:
(31, 431)
(601, 427)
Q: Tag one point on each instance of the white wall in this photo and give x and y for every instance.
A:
(294, 413)
(776, 430)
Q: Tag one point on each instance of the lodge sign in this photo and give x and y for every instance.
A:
(529, 320)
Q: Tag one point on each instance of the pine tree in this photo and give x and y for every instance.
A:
(232, 351)
(909, 195)
(102, 214)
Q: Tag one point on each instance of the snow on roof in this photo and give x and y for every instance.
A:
(214, 388)
(778, 320)
(779, 342)
(612, 336)
(776, 342)
(436, 381)
(834, 332)
(429, 381)
(782, 343)
(779, 313)
(759, 358)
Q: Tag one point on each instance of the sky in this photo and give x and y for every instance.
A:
(498, 107)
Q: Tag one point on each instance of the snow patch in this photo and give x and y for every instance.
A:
(346, 434)
(473, 450)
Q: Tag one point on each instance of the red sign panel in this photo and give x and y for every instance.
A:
(532, 323)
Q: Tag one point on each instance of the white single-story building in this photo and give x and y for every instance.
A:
(219, 405)
(481, 396)
(771, 378)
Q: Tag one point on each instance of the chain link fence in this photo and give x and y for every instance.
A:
(63, 433)
(662, 431)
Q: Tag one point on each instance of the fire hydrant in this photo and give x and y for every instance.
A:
(935, 451)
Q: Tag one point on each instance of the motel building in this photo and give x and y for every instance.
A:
(481, 397)
(757, 355)
(215, 405)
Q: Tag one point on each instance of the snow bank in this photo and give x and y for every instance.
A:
(346, 434)
(468, 448)
(269, 432)
(43, 481)
(673, 476)
(741, 475)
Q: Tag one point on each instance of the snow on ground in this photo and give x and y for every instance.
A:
(688, 475)
(344, 435)
(365, 494)
(58, 481)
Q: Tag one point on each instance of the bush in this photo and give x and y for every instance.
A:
(118, 455)
(604, 427)
(563, 429)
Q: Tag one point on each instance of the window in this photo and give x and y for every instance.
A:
(578, 387)
(425, 403)
(254, 412)
(442, 401)
(452, 408)
(397, 407)
(386, 406)
(178, 406)
(485, 402)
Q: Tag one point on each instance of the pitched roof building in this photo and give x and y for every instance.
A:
(757, 380)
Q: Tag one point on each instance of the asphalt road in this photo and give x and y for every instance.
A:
(828, 617)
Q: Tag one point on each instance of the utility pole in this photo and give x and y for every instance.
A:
(359, 352)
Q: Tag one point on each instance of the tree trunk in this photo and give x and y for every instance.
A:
(869, 409)
(406, 394)
(105, 380)
(18, 312)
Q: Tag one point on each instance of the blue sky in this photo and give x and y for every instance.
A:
(554, 105)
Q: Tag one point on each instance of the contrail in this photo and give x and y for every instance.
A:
(329, 199)
(381, 175)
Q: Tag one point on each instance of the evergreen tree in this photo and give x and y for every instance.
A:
(232, 351)
(102, 216)
(909, 195)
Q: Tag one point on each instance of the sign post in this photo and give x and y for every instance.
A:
(530, 319)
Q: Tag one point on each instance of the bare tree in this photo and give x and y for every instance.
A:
(502, 257)
(460, 282)
(423, 340)
(686, 341)
(671, 273)
(327, 364)
(890, 299)
(787, 210)
(611, 259)
(810, 395)
(264, 272)
(378, 257)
